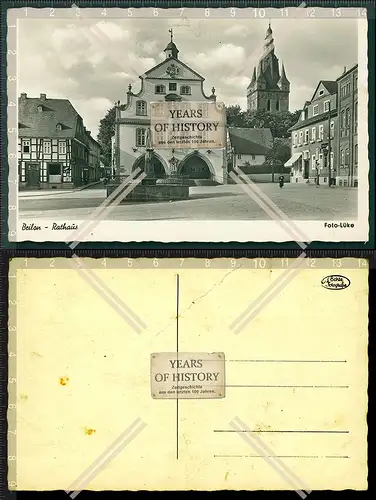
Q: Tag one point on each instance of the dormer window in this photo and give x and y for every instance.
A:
(185, 90)
(26, 146)
(59, 126)
(160, 89)
(40, 108)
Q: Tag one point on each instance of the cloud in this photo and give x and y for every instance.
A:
(227, 55)
(92, 110)
(238, 29)
(91, 61)
(150, 47)
(113, 31)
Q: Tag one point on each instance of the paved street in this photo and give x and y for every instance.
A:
(205, 203)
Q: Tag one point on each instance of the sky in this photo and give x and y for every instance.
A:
(91, 62)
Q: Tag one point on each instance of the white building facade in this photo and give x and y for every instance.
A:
(171, 80)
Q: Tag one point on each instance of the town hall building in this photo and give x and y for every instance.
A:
(170, 80)
(269, 88)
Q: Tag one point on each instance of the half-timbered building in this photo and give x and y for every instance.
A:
(53, 145)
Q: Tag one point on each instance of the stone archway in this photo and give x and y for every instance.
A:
(159, 169)
(196, 168)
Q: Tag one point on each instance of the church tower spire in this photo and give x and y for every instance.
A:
(269, 42)
(270, 89)
(171, 50)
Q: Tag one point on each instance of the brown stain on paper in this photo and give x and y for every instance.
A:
(64, 380)
(89, 431)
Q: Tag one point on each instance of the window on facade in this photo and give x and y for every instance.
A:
(313, 159)
(346, 157)
(54, 169)
(160, 89)
(239, 157)
(204, 108)
(347, 117)
(268, 105)
(295, 138)
(141, 108)
(326, 106)
(277, 105)
(306, 135)
(62, 148)
(356, 153)
(253, 157)
(185, 90)
(321, 132)
(342, 157)
(140, 137)
(172, 86)
(47, 147)
(158, 109)
(321, 92)
(315, 110)
(26, 146)
(300, 136)
(356, 83)
(313, 133)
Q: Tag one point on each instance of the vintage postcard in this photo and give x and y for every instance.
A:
(180, 124)
(188, 374)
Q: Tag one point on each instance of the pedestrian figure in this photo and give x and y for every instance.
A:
(317, 173)
(281, 181)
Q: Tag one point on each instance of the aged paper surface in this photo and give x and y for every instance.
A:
(296, 376)
(204, 188)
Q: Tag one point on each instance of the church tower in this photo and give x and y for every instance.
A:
(269, 88)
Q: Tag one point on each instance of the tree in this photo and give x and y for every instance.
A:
(235, 116)
(278, 122)
(279, 153)
(106, 131)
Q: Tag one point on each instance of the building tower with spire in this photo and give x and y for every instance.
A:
(269, 88)
(171, 50)
(170, 81)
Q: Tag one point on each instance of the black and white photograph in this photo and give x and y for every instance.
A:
(188, 126)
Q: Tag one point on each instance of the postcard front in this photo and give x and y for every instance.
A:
(188, 125)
